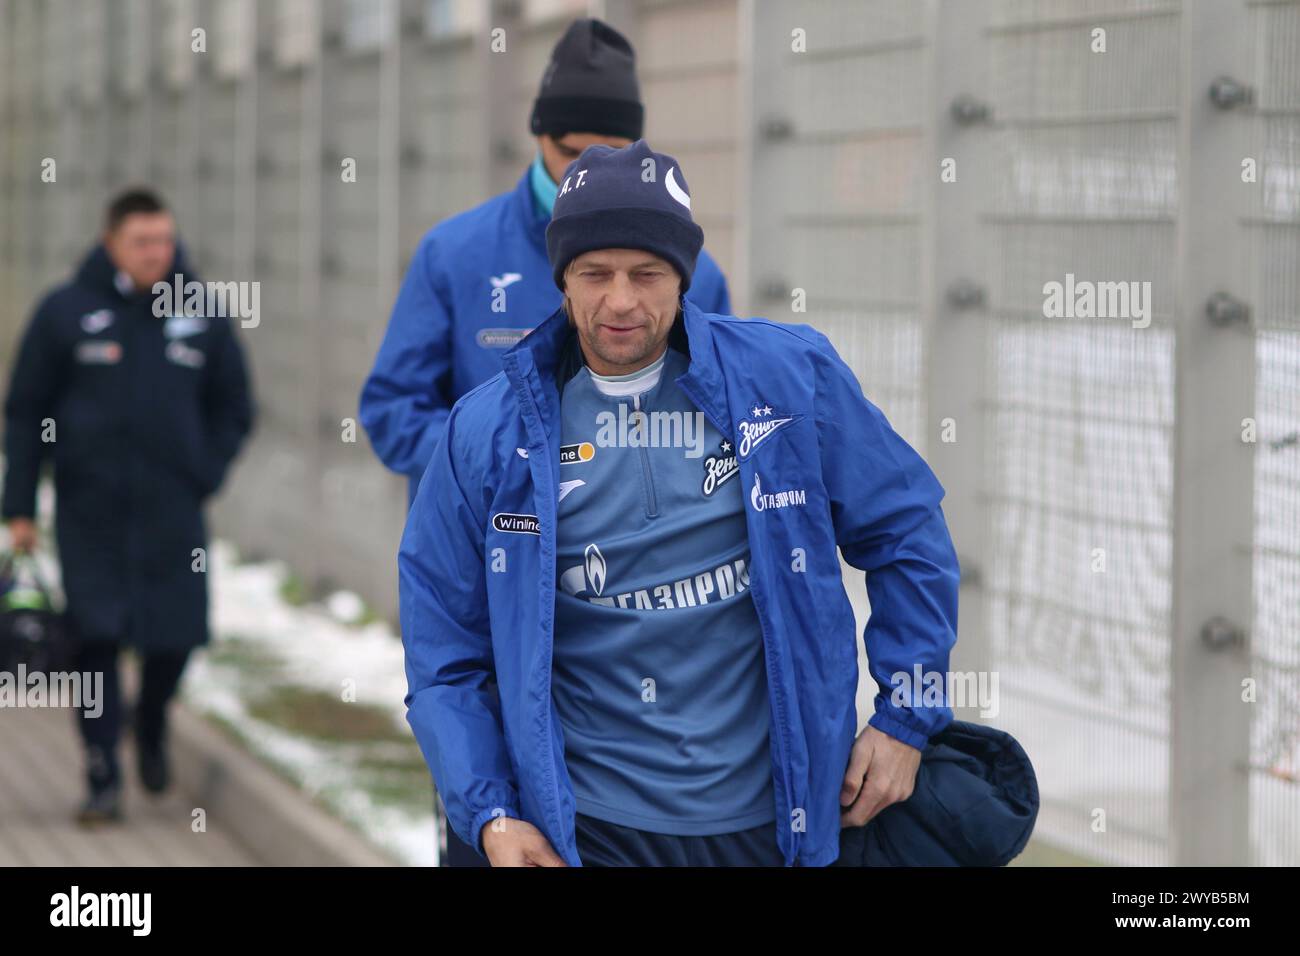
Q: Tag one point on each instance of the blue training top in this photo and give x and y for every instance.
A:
(658, 673)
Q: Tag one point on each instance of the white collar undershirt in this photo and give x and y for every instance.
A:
(633, 383)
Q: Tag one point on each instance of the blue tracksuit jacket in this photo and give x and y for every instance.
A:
(820, 467)
(478, 281)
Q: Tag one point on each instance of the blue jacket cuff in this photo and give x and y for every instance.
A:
(885, 723)
(485, 816)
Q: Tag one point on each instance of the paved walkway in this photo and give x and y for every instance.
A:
(42, 786)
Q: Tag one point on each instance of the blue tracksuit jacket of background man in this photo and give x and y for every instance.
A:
(477, 282)
(819, 467)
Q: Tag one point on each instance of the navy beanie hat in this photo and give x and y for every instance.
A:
(629, 198)
(590, 84)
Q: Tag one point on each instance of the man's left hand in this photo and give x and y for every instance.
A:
(882, 770)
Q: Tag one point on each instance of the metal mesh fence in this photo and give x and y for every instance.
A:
(1270, 233)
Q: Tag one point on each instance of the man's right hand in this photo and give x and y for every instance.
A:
(22, 534)
(511, 842)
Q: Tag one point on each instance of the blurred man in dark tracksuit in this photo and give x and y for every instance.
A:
(140, 414)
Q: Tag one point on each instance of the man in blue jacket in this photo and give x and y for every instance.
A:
(479, 280)
(627, 637)
(141, 411)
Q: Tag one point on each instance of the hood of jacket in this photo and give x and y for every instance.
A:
(974, 804)
(97, 271)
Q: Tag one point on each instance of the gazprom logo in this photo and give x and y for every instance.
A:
(760, 500)
(596, 568)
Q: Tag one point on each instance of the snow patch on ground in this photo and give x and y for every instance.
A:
(315, 650)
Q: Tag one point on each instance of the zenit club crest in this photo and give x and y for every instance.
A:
(95, 322)
(757, 427)
(718, 468)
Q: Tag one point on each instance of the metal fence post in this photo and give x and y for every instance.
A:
(955, 321)
(311, 196)
(498, 79)
(1213, 496)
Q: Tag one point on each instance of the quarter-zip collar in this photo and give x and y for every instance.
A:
(533, 219)
(544, 188)
(552, 351)
(632, 383)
